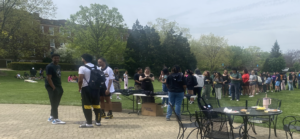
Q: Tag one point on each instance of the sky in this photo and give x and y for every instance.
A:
(243, 23)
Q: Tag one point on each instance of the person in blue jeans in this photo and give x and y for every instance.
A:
(164, 86)
(177, 88)
(236, 79)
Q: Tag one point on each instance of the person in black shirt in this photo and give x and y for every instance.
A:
(190, 83)
(54, 88)
(177, 88)
(147, 78)
(138, 84)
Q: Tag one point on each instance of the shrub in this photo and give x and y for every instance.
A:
(37, 66)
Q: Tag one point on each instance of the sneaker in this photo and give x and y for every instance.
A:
(271, 91)
(168, 119)
(57, 121)
(86, 126)
(230, 99)
(50, 119)
(251, 96)
(103, 115)
(139, 102)
(237, 100)
(98, 124)
(109, 116)
(241, 94)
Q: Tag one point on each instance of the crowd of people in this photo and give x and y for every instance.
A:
(175, 84)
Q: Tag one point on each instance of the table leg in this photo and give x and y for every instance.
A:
(187, 108)
(231, 126)
(245, 119)
(132, 104)
(269, 127)
(275, 125)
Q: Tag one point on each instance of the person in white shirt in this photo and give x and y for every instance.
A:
(198, 88)
(105, 95)
(89, 97)
(125, 80)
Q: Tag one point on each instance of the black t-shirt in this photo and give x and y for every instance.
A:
(53, 70)
(176, 82)
(278, 77)
(136, 77)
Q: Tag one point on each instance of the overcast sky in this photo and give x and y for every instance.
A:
(244, 23)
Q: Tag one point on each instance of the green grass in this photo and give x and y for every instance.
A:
(16, 91)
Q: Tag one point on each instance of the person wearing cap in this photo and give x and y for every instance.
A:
(235, 84)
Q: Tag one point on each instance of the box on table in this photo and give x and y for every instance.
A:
(152, 109)
(116, 107)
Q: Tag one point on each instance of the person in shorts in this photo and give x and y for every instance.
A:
(106, 93)
(89, 96)
(277, 82)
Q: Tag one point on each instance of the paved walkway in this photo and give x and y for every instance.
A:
(26, 121)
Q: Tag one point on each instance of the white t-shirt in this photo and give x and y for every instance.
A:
(87, 73)
(109, 75)
(200, 80)
(126, 77)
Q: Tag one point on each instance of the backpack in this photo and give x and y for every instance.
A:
(259, 79)
(97, 78)
(195, 81)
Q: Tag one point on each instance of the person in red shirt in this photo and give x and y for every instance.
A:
(245, 78)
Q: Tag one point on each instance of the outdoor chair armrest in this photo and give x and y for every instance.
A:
(288, 117)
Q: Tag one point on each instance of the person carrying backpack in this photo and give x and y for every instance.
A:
(91, 79)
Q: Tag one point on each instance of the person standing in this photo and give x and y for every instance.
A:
(283, 78)
(106, 93)
(295, 79)
(290, 82)
(277, 82)
(245, 78)
(116, 81)
(235, 84)
(198, 88)
(226, 81)
(268, 83)
(218, 81)
(54, 88)
(147, 78)
(191, 81)
(177, 88)
(253, 81)
(273, 80)
(260, 80)
(163, 80)
(41, 73)
(298, 80)
(125, 76)
(137, 83)
(89, 89)
(207, 85)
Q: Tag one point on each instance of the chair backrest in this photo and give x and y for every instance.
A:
(177, 118)
(275, 103)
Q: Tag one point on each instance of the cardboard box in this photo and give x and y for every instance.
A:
(152, 109)
(116, 107)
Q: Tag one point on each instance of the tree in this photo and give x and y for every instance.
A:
(251, 57)
(277, 64)
(65, 54)
(177, 51)
(234, 56)
(297, 66)
(275, 52)
(266, 66)
(16, 17)
(209, 51)
(96, 30)
(163, 26)
(143, 49)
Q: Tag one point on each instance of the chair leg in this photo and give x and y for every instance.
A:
(178, 133)
(182, 135)
(191, 132)
(253, 128)
(286, 135)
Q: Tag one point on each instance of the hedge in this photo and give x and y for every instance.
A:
(37, 66)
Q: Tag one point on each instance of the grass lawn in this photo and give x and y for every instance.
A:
(16, 91)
